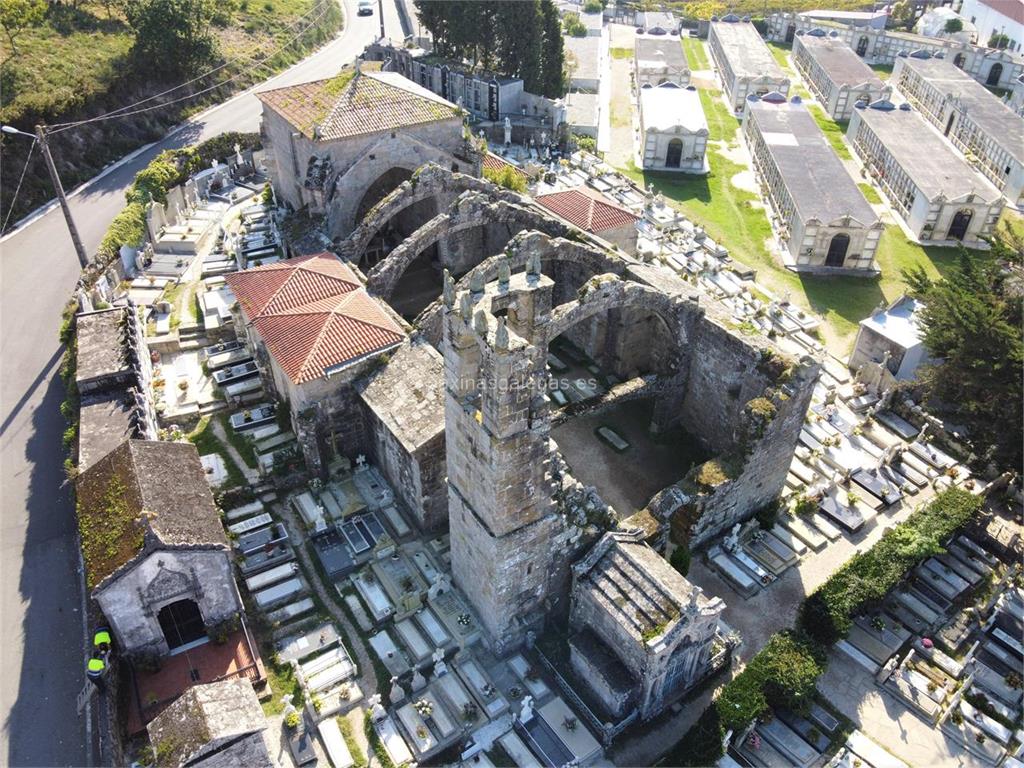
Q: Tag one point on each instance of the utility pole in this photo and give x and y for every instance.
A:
(83, 258)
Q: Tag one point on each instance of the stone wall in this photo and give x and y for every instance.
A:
(132, 600)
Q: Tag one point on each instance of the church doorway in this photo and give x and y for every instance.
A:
(836, 256)
(182, 623)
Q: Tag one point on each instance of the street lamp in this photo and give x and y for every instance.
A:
(40, 136)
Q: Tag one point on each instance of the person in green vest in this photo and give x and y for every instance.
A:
(95, 670)
(101, 640)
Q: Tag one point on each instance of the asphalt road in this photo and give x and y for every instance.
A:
(41, 652)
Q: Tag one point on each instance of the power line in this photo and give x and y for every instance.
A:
(118, 114)
(14, 197)
(195, 79)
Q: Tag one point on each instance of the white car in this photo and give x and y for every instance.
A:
(365, 8)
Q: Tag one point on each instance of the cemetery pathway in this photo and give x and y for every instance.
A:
(252, 476)
(353, 636)
(40, 597)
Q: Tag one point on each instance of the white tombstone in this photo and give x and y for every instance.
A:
(526, 713)
(418, 681)
(377, 712)
(289, 708)
(440, 586)
(397, 691)
(732, 541)
(440, 667)
(360, 463)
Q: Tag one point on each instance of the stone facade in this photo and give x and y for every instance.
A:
(836, 75)
(627, 601)
(132, 602)
(883, 46)
(744, 63)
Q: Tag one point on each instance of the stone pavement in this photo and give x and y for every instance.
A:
(852, 690)
(621, 151)
(251, 475)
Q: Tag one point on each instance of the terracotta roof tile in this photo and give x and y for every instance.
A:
(316, 318)
(587, 210)
(347, 105)
(494, 163)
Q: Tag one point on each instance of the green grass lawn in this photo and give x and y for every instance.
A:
(622, 53)
(245, 446)
(780, 51)
(870, 193)
(882, 70)
(722, 123)
(734, 217)
(833, 131)
(206, 442)
(696, 57)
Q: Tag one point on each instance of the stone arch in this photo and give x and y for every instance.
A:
(429, 181)
(520, 248)
(346, 189)
(995, 74)
(470, 210)
(608, 293)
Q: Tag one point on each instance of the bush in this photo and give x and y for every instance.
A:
(593, 6)
(585, 143)
(866, 579)
(573, 26)
(702, 744)
(508, 177)
(767, 515)
(680, 560)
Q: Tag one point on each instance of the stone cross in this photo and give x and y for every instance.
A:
(360, 461)
(733, 539)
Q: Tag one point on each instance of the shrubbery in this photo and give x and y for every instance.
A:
(865, 580)
(168, 169)
(680, 560)
(784, 673)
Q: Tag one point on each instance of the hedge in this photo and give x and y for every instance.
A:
(168, 169)
(784, 673)
(863, 582)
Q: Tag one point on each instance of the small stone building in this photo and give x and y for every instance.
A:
(595, 213)
(642, 634)
(338, 146)
(113, 377)
(893, 336)
(157, 561)
(314, 330)
(817, 211)
(970, 116)
(659, 59)
(939, 196)
(744, 63)
(673, 129)
(838, 77)
(216, 725)
(988, 66)
(403, 404)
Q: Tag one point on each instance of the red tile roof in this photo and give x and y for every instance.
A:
(588, 210)
(347, 105)
(313, 314)
(1012, 9)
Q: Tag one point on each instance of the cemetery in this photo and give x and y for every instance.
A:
(452, 535)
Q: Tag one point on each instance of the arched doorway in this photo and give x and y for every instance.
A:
(959, 60)
(862, 46)
(674, 155)
(790, 33)
(402, 224)
(181, 623)
(836, 256)
(958, 227)
(994, 74)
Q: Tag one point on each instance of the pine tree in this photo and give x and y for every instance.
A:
(552, 53)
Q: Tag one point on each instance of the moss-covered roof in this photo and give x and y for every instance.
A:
(351, 105)
(142, 490)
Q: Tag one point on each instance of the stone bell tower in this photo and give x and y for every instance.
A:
(502, 518)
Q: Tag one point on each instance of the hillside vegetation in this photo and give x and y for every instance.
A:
(83, 58)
